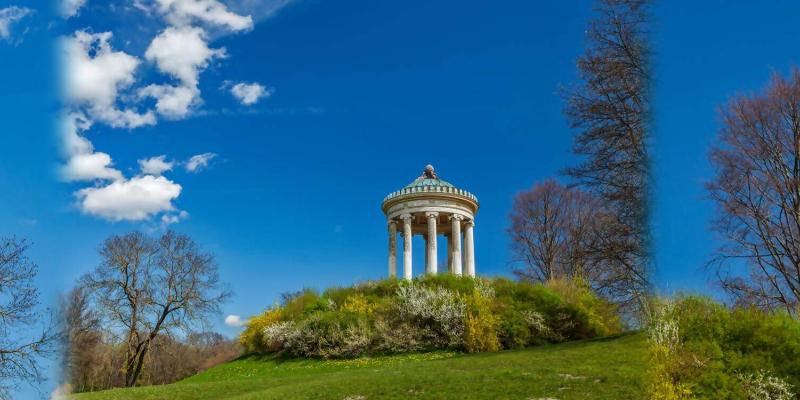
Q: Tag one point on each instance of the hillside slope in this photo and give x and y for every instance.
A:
(609, 368)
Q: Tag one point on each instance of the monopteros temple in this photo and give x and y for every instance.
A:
(430, 207)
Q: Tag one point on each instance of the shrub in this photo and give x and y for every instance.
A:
(252, 338)
(603, 317)
(762, 386)
(436, 308)
(330, 335)
(307, 301)
(280, 336)
(359, 304)
(429, 313)
(480, 327)
(714, 352)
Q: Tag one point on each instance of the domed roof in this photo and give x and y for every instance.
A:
(429, 182)
(428, 178)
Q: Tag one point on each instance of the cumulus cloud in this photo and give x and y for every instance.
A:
(135, 199)
(234, 321)
(172, 102)
(199, 162)
(182, 52)
(90, 166)
(249, 93)
(155, 165)
(116, 198)
(101, 86)
(83, 163)
(9, 16)
(210, 12)
(94, 75)
(70, 8)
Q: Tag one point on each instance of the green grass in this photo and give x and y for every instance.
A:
(609, 368)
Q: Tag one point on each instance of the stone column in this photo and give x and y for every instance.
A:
(449, 252)
(425, 239)
(406, 246)
(469, 247)
(455, 221)
(392, 249)
(432, 253)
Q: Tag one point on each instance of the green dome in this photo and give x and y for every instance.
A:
(423, 181)
(430, 183)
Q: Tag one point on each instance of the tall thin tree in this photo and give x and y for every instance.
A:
(611, 110)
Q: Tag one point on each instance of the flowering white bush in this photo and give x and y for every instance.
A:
(314, 337)
(763, 386)
(664, 330)
(484, 287)
(281, 335)
(537, 323)
(442, 309)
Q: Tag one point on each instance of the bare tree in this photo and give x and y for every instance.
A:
(555, 231)
(542, 226)
(20, 351)
(757, 192)
(148, 287)
(611, 110)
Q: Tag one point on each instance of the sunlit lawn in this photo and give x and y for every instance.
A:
(609, 368)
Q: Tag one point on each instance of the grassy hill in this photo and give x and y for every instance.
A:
(609, 368)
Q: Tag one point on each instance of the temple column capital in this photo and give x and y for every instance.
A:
(456, 217)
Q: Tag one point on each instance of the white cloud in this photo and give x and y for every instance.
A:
(155, 165)
(70, 8)
(71, 126)
(234, 321)
(173, 102)
(101, 85)
(83, 163)
(90, 166)
(94, 75)
(182, 52)
(169, 219)
(8, 17)
(135, 199)
(211, 12)
(199, 162)
(249, 93)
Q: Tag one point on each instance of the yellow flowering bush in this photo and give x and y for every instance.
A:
(252, 339)
(480, 325)
(359, 304)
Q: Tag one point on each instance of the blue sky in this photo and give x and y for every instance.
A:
(360, 95)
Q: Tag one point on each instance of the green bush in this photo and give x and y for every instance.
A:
(429, 313)
(715, 352)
